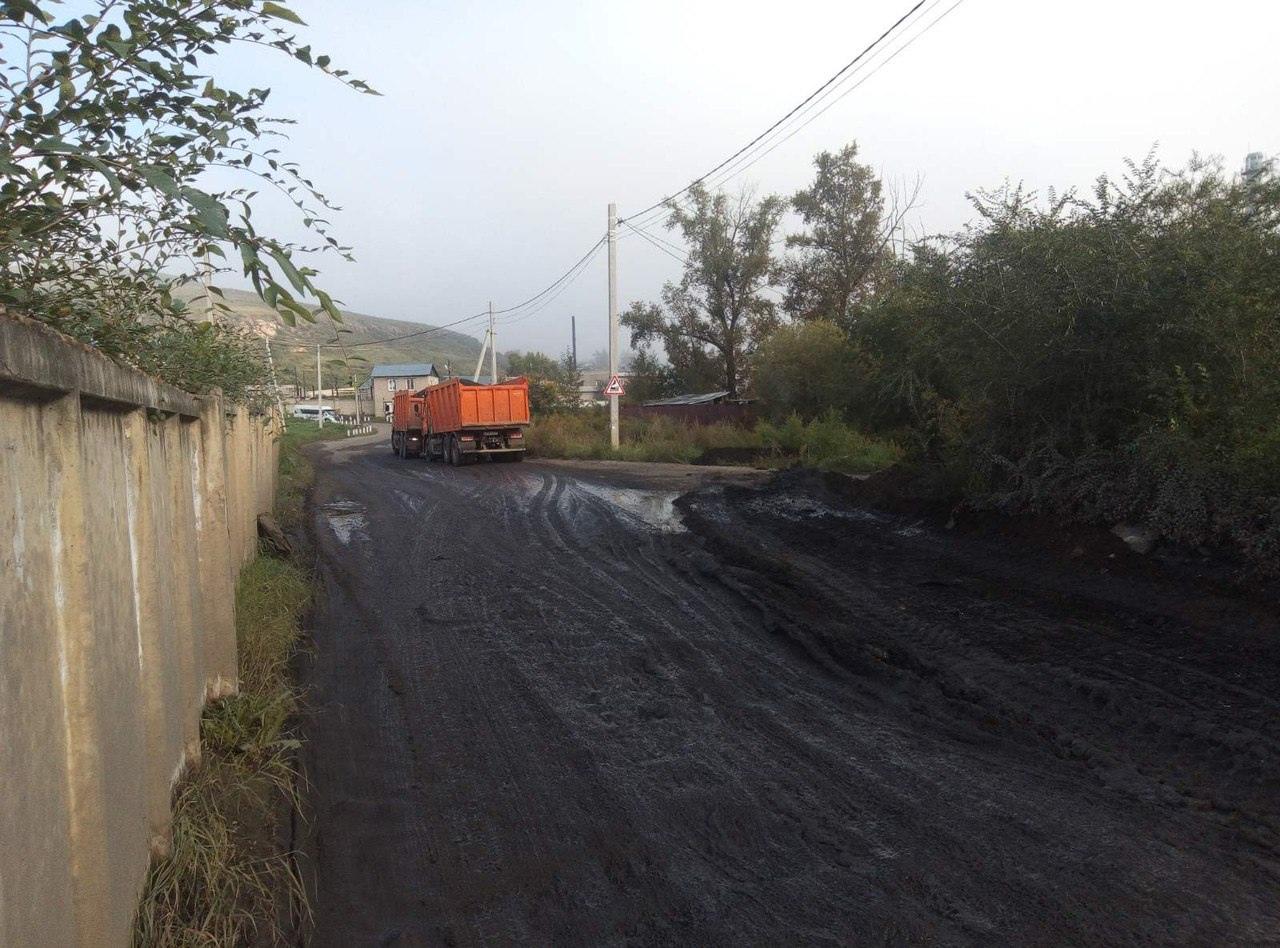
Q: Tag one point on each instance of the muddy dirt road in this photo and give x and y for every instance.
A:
(553, 704)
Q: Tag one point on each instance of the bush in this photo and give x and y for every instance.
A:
(1108, 358)
(296, 471)
(827, 443)
(806, 369)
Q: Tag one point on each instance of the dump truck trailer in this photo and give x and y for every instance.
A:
(460, 421)
(406, 423)
(465, 421)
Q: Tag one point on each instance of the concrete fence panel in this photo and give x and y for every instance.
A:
(127, 508)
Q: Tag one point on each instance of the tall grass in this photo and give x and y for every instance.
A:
(296, 470)
(585, 435)
(226, 879)
(827, 443)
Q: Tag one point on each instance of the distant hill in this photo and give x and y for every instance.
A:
(460, 351)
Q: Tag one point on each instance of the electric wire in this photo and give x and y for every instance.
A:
(748, 158)
(804, 102)
(817, 115)
(408, 335)
(586, 256)
(742, 159)
(580, 268)
(680, 256)
(556, 286)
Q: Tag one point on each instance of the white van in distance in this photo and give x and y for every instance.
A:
(312, 412)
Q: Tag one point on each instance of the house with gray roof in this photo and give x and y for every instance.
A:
(384, 380)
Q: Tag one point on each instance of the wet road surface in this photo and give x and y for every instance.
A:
(559, 704)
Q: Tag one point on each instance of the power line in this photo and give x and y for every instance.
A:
(753, 151)
(809, 98)
(559, 283)
(409, 335)
(675, 253)
(817, 115)
(580, 268)
(678, 256)
(764, 147)
(583, 259)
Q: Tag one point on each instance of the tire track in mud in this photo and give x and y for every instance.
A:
(621, 733)
(990, 672)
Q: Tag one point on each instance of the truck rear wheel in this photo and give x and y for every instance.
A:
(455, 456)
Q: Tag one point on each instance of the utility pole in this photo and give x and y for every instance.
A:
(275, 382)
(573, 336)
(483, 345)
(493, 349)
(206, 278)
(613, 321)
(319, 401)
(480, 361)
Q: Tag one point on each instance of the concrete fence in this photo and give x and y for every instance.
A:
(127, 508)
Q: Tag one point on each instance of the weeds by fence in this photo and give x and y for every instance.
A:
(229, 878)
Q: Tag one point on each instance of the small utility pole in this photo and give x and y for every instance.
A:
(493, 349)
(573, 336)
(206, 278)
(275, 382)
(319, 402)
(613, 321)
(480, 361)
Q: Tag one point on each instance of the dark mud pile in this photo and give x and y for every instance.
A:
(550, 707)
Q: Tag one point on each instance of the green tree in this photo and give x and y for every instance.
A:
(806, 369)
(715, 314)
(112, 131)
(650, 378)
(553, 385)
(844, 253)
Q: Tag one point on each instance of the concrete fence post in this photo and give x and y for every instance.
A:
(216, 564)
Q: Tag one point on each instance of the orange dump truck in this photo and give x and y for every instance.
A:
(460, 421)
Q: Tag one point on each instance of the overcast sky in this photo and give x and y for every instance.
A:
(505, 128)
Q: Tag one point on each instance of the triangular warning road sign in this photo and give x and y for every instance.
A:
(614, 387)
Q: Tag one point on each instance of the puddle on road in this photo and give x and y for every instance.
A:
(413, 503)
(346, 519)
(654, 508)
(804, 508)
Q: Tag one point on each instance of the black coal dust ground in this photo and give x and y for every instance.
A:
(558, 704)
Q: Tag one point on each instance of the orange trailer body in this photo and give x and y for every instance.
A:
(460, 421)
(455, 405)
